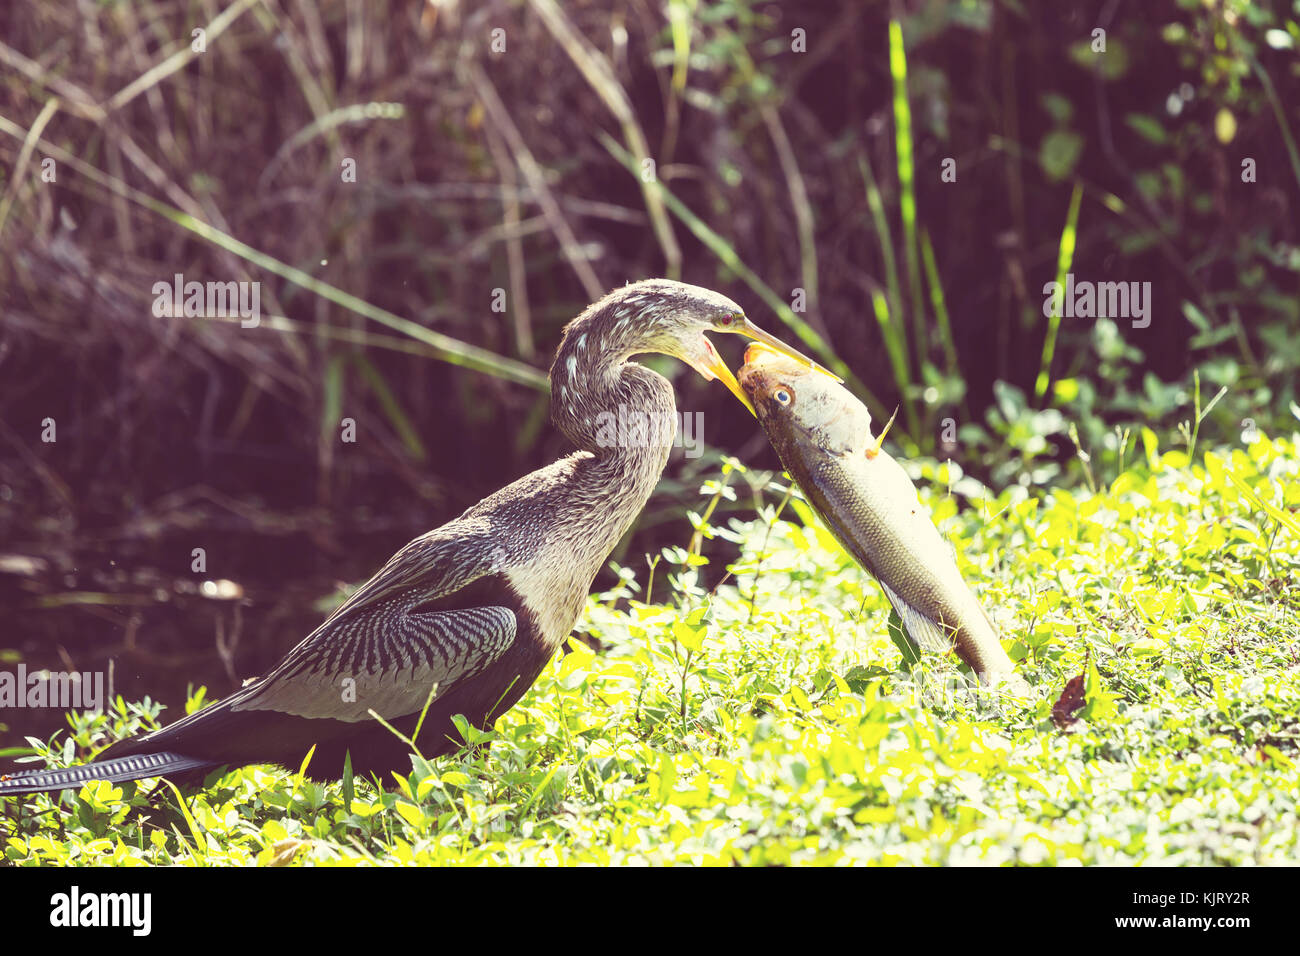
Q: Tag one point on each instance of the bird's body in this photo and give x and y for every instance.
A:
(476, 607)
(508, 578)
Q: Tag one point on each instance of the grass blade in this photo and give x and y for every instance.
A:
(1064, 258)
(906, 178)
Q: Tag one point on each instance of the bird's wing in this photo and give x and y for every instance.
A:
(433, 566)
(431, 615)
(418, 622)
(387, 659)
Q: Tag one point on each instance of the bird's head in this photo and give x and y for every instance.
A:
(672, 318)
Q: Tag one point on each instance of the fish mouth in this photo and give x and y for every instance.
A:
(751, 375)
(757, 350)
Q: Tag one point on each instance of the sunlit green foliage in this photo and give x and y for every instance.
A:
(770, 721)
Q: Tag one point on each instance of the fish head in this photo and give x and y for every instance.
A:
(796, 403)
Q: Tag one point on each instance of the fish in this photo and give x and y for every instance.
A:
(823, 436)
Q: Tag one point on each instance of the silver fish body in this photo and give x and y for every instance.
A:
(823, 435)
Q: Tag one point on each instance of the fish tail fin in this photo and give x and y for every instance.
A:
(923, 631)
(983, 653)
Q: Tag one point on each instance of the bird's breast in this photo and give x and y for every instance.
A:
(554, 588)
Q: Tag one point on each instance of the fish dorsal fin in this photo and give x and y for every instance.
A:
(874, 447)
(924, 631)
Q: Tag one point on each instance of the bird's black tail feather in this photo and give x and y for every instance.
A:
(117, 770)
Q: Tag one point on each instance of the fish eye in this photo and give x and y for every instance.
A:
(783, 396)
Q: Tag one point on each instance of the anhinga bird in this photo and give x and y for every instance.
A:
(478, 606)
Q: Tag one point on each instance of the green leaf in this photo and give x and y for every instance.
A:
(667, 777)
(410, 813)
(1151, 446)
(1225, 126)
(1058, 107)
(1059, 154)
(897, 634)
(1066, 389)
(691, 638)
(1147, 127)
(1100, 702)
(349, 792)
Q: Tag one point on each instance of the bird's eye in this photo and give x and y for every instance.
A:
(782, 396)
(728, 320)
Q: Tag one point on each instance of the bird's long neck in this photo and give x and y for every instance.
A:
(620, 412)
(604, 403)
(558, 525)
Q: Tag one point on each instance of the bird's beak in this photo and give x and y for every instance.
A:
(710, 365)
(743, 326)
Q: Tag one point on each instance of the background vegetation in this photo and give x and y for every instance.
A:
(805, 182)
